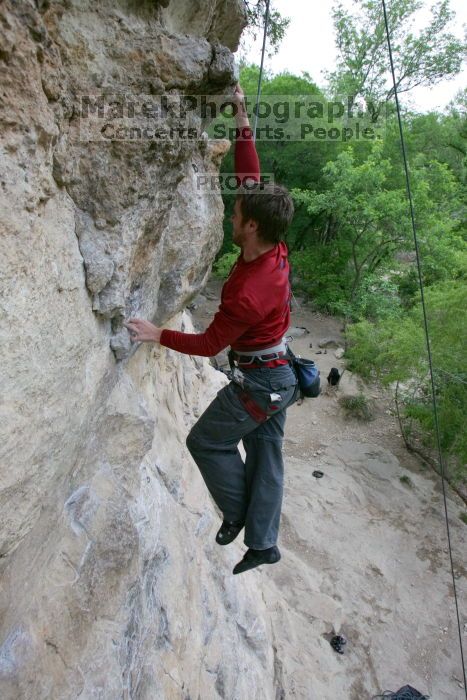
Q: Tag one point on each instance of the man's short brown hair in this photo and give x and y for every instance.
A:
(271, 206)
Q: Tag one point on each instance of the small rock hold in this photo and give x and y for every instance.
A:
(99, 271)
(222, 68)
(121, 344)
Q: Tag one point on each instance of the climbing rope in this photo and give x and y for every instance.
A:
(425, 323)
(420, 279)
(258, 92)
(260, 77)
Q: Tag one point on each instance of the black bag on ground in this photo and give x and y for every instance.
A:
(405, 693)
(307, 375)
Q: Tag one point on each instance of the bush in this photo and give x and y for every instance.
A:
(394, 350)
(356, 407)
(224, 264)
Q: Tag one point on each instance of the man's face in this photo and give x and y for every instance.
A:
(241, 230)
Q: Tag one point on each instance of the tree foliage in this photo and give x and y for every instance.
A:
(362, 222)
(394, 350)
(351, 241)
(277, 24)
(292, 163)
(421, 57)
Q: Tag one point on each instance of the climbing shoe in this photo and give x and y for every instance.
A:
(228, 532)
(256, 557)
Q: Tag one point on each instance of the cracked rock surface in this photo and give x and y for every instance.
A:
(111, 584)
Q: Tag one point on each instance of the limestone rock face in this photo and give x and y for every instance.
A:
(111, 585)
(125, 193)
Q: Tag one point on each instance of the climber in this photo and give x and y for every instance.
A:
(252, 318)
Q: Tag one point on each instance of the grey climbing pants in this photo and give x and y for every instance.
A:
(247, 491)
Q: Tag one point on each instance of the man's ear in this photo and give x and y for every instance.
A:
(252, 225)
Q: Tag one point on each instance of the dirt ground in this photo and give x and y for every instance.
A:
(364, 554)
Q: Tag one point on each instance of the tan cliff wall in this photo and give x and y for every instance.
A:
(111, 585)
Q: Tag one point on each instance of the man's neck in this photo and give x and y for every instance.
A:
(252, 250)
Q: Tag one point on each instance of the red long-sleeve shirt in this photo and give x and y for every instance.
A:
(255, 303)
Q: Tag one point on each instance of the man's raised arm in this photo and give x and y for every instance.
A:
(228, 324)
(246, 157)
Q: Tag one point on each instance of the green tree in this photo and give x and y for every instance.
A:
(441, 135)
(421, 58)
(277, 25)
(362, 225)
(394, 351)
(291, 163)
(360, 260)
(444, 136)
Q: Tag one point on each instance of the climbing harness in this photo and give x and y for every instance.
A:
(276, 352)
(306, 371)
(245, 386)
(427, 336)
